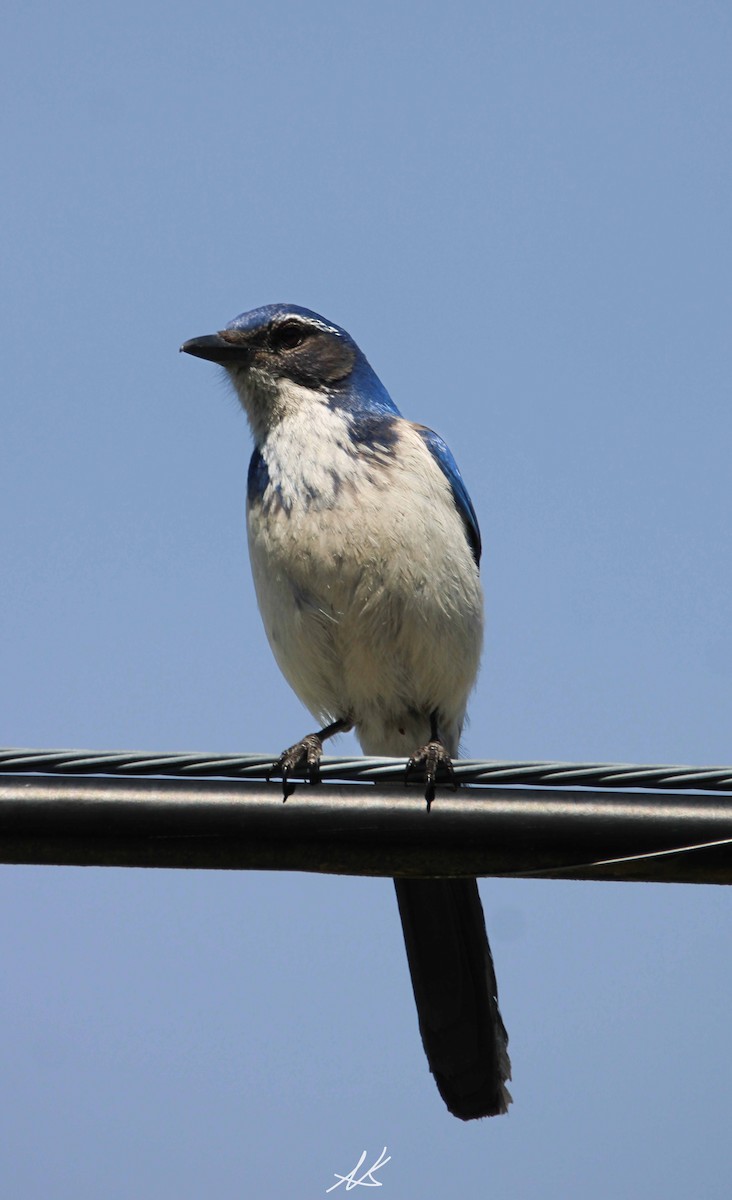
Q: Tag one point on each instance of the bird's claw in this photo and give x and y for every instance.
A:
(304, 755)
(430, 758)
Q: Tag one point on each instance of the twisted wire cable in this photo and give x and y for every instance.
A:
(368, 770)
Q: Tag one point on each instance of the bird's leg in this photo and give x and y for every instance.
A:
(430, 757)
(306, 754)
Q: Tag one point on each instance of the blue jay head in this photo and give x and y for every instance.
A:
(283, 357)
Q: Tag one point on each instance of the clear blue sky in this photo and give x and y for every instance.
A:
(522, 213)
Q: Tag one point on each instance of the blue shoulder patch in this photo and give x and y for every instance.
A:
(258, 477)
(364, 391)
(440, 451)
(373, 428)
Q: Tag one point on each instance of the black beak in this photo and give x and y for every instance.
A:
(215, 348)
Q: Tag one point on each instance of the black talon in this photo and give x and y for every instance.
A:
(431, 757)
(305, 755)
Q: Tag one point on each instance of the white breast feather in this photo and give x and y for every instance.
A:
(370, 597)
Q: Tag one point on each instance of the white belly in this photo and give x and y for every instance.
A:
(373, 606)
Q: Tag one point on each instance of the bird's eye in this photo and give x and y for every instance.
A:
(289, 334)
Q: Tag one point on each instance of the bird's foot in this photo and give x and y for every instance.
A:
(430, 758)
(304, 755)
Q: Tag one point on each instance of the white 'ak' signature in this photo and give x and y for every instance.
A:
(351, 1180)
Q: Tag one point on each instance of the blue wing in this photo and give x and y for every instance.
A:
(442, 455)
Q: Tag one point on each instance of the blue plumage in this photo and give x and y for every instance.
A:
(362, 387)
(443, 457)
(365, 548)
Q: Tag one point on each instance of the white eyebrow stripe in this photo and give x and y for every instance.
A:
(308, 322)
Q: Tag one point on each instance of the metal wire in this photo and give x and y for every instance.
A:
(381, 829)
(540, 819)
(367, 770)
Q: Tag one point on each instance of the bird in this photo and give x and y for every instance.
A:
(365, 552)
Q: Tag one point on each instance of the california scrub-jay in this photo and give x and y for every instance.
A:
(364, 547)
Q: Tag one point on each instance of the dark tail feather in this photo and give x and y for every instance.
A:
(455, 989)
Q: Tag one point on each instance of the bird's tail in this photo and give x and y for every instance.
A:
(454, 984)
